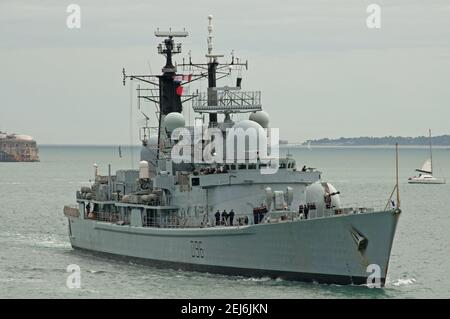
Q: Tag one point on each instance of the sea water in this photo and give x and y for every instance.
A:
(35, 251)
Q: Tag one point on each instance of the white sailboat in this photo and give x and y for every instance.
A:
(426, 172)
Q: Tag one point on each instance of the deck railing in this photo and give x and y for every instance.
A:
(111, 217)
(173, 221)
(349, 208)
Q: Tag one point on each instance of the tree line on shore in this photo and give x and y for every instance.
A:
(387, 140)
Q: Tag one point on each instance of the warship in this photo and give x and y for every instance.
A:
(256, 213)
(18, 148)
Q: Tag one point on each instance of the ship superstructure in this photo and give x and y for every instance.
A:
(253, 213)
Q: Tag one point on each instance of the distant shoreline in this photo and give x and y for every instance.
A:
(419, 141)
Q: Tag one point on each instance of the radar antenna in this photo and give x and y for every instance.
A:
(169, 47)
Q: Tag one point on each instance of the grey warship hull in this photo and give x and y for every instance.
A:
(323, 250)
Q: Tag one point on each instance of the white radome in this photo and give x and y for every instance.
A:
(260, 117)
(244, 131)
(251, 128)
(143, 170)
(315, 193)
(246, 124)
(173, 121)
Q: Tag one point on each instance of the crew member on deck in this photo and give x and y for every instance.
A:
(306, 210)
(224, 217)
(231, 217)
(217, 215)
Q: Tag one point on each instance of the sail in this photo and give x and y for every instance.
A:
(426, 167)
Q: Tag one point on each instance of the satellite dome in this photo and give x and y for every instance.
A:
(260, 117)
(173, 121)
(321, 194)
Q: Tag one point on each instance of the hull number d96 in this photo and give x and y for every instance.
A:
(197, 249)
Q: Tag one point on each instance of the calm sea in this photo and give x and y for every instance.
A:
(35, 252)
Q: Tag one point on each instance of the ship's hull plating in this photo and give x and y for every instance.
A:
(322, 249)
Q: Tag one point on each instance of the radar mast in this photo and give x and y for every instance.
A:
(212, 102)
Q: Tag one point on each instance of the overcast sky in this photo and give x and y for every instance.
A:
(321, 70)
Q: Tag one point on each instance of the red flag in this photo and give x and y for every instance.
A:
(179, 90)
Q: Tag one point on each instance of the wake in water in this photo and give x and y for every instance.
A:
(96, 271)
(403, 282)
(260, 279)
(49, 241)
